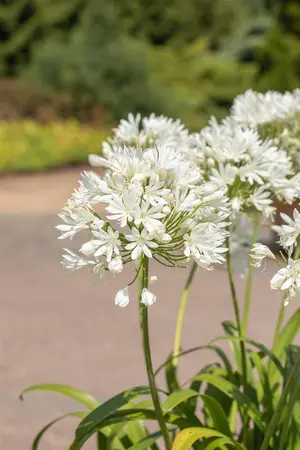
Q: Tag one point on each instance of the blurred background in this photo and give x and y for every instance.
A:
(69, 70)
(97, 60)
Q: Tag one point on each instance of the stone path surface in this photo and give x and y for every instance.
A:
(60, 328)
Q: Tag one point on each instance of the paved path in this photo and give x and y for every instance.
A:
(57, 327)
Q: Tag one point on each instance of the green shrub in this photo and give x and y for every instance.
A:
(101, 62)
(204, 82)
(28, 146)
(280, 62)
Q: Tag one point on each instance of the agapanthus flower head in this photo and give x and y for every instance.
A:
(255, 108)
(287, 280)
(289, 231)
(146, 132)
(150, 203)
(254, 170)
(259, 252)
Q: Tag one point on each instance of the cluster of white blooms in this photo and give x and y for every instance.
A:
(255, 108)
(289, 231)
(254, 170)
(150, 203)
(276, 116)
(287, 279)
(144, 133)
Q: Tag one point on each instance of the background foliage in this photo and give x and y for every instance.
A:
(97, 60)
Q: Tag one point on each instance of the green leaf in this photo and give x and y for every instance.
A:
(196, 386)
(231, 331)
(218, 444)
(233, 392)
(136, 431)
(217, 414)
(80, 396)
(285, 338)
(171, 375)
(214, 348)
(92, 422)
(287, 335)
(186, 438)
(39, 436)
(263, 388)
(146, 442)
(260, 347)
(176, 398)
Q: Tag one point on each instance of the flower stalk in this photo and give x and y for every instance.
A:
(239, 324)
(181, 314)
(143, 284)
(249, 280)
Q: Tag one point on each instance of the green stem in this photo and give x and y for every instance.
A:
(297, 253)
(279, 324)
(237, 314)
(143, 283)
(249, 280)
(181, 313)
(280, 406)
(239, 327)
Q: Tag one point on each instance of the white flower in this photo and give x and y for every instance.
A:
(99, 269)
(254, 108)
(147, 297)
(224, 174)
(290, 231)
(122, 298)
(121, 208)
(204, 245)
(154, 191)
(148, 216)
(259, 252)
(74, 262)
(107, 243)
(237, 204)
(288, 280)
(115, 265)
(76, 219)
(140, 243)
(260, 198)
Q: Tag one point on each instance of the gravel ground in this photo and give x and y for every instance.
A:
(57, 327)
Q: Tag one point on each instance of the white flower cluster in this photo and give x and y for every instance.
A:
(287, 279)
(254, 171)
(144, 133)
(255, 108)
(150, 203)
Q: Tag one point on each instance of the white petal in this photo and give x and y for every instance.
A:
(147, 297)
(122, 298)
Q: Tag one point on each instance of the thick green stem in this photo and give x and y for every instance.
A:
(237, 315)
(181, 313)
(239, 324)
(143, 283)
(249, 280)
(279, 324)
(280, 406)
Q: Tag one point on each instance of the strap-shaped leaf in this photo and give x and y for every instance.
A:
(186, 438)
(147, 442)
(217, 414)
(176, 398)
(233, 392)
(39, 436)
(80, 396)
(97, 417)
